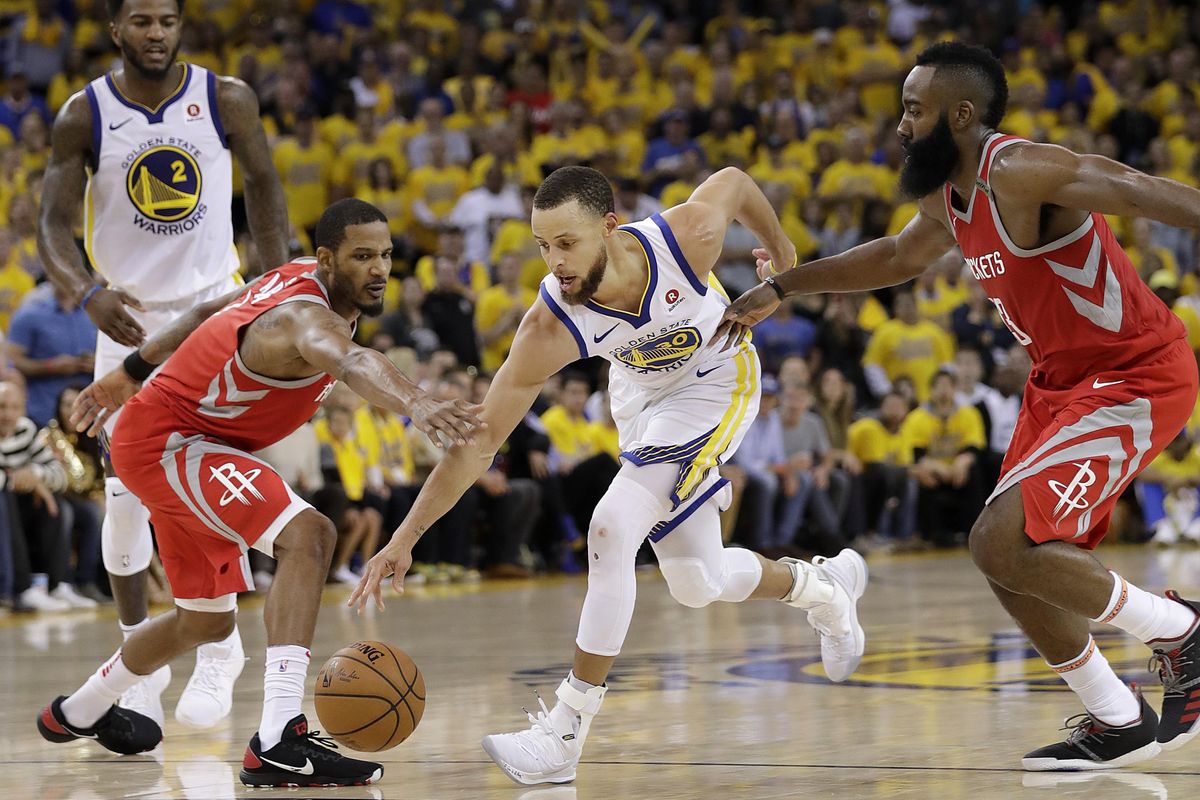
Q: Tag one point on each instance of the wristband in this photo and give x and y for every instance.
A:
(795, 262)
(770, 281)
(137, 367)
(88, 296)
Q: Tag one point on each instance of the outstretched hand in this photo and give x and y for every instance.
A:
(446, 421)
(752, 307)
(101, 399)
(393, 560)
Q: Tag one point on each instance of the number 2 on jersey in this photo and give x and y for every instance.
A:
(179, 172)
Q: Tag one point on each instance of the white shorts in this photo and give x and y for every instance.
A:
(157, 316)
(697, 424)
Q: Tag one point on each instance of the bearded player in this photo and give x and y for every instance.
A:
(248, 369)
(642, 296)
(144, 155)
(1113, 382)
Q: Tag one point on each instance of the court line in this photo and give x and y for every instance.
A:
(719, 764)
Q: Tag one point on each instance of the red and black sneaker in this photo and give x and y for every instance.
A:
(304, 758)
(1178, 665)
(120, 729)
(1093, 744)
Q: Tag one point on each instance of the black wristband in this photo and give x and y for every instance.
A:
(138, 368)
(770, 281)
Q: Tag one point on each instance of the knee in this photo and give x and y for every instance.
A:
(989, 554)
(202, 626)
(689, 581)
(310, 536)
(606, 523)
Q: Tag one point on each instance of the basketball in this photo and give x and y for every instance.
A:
(370, 696)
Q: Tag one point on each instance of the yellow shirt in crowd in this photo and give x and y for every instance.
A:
(351, 459)
(572, 437)
(493, 303)
(871, 442)
(917, 351)
(385, 442)
(944, 439)
(1188, 468)
(305, 172)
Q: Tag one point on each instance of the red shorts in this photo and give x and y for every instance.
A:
(1074, 451)
(209, 503)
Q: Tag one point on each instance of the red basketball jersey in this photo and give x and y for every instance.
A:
(1076, 304)
(205, 387)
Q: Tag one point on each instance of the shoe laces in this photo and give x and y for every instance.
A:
(1084, 727)
(536, 741)
(210, 675)
(1171, 666)
(327, 742)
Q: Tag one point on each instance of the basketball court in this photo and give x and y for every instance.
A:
(726, 702)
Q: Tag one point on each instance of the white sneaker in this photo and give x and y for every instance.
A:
(544, 754)
(344, 574)
(1192, 531)
(37, 598)
(66, 592)
(842, 638)
(1165, 533)
(208, 696)
(145, 696)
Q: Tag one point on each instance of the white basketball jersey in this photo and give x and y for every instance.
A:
(158, 221)
(668, 341)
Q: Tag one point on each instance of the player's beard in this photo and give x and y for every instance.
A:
(133, 59)
(590, 282)
(343, 286)
(930, 160)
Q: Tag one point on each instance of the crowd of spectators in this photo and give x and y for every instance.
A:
(885, 415)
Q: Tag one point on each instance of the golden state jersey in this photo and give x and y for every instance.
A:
(157, 215)
(676, 396)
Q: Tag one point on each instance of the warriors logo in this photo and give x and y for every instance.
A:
(164, 184)
(663, 352)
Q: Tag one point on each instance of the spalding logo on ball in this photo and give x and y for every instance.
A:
(370, 696)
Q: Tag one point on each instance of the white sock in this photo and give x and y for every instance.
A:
(92, 700)
(283, 690)
(1103, 694)
(223, 649)
(127, 630)
(1145, 616)
(809, 589)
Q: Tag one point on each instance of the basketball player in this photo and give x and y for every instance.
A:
(256, 367)
(146, 150)
(1113, 381)
(642, 296)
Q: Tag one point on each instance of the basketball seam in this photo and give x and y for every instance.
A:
(392, 706)
(387, 700)
(400, 669)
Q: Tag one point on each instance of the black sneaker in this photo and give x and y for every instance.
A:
(304, 758)
(1095, 745)
(1178, 665)
(120, 730)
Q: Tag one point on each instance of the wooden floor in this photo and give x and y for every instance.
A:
(725, 702)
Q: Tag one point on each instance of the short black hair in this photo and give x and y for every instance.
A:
(575, 376)
(942, 373)
(974, 65)
(588, 186)
(115, 6)
(331, 227)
